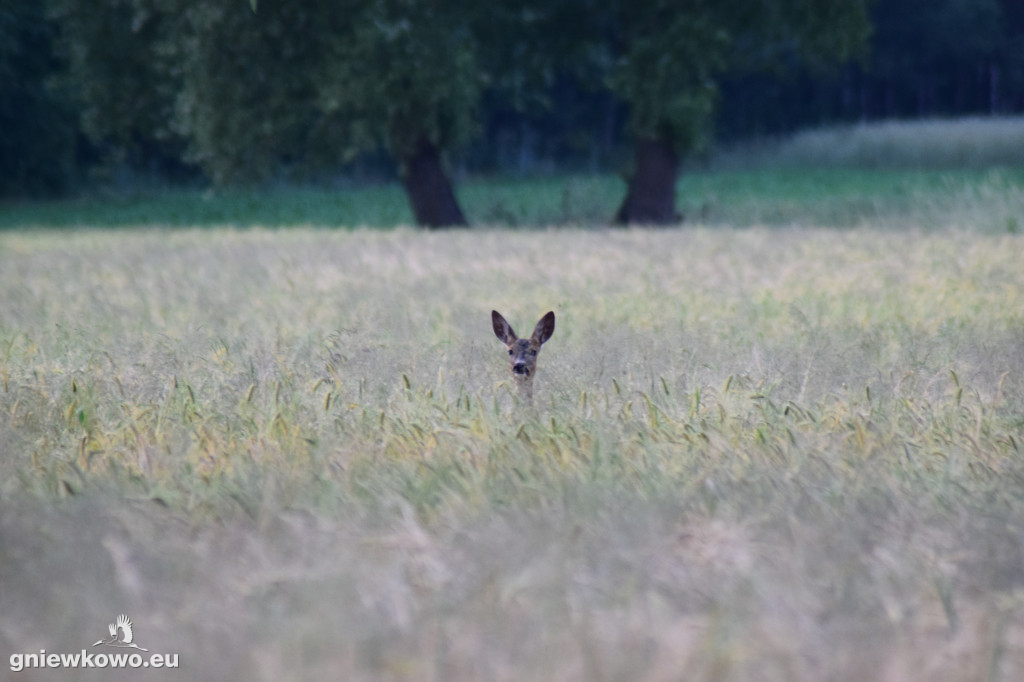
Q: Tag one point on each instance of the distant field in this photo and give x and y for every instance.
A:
(932, 144)
(966, 173)
(989, 201)
(768, 453)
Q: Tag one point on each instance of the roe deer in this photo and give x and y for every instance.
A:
(522, 353)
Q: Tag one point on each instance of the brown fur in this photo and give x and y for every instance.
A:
(522, 353)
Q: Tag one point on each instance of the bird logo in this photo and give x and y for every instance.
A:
(121, 634)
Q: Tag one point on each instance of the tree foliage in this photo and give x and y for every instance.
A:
(123, 77)
(245, 102)
(944, 58)
(398, 72)
(670, 56)
(243, 91)
(36, 122)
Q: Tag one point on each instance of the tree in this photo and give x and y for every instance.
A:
(407, 75)
(319, 82)
(669, 55)
(411, 76)
(322, 81)
(123, 78)
(37, 132)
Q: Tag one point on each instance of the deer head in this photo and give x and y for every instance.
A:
(522, 353)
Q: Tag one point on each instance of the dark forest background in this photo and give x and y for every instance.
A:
(224, 93)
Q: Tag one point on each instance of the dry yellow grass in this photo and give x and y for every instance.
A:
(762, 454)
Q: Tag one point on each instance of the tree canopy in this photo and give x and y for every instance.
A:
(36, 122)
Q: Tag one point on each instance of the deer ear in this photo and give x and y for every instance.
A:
(544, 329)
(502, 329)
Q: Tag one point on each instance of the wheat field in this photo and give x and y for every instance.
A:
(296, 454)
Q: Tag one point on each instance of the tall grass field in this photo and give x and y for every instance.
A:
(757, 451)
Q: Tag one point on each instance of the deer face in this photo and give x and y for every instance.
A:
(522, 353)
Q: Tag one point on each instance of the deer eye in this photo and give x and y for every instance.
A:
(510, 351)
(532, 352)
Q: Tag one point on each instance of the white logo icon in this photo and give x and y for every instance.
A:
(124, 640)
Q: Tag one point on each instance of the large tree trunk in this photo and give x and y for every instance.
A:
(429, 190)
(651, 197)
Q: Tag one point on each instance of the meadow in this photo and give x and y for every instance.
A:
(758, 451)
(722, 195)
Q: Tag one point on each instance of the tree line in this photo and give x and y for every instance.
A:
(231, 93)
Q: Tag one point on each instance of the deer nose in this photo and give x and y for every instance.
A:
(520, 367)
